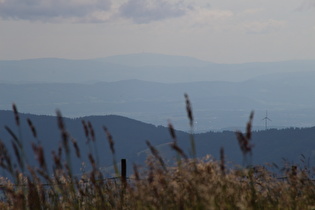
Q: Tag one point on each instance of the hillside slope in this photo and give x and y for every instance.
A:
(130, 136)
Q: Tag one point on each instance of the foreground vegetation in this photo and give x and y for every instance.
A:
(190, 183)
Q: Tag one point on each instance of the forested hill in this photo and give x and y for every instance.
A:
(269, 146)
(130, 136)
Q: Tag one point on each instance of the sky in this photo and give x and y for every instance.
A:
(221, 31)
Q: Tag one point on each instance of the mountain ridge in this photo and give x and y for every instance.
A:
(216, 104)
(129, 138)
(138, 66)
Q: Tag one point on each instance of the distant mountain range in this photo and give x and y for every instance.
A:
(150, 88)
(145, 66)
(130, 135)
(289, 99)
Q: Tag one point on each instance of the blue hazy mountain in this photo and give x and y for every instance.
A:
(145, 66)
(288, 97)
(150, 59)
(129, 135)
(150, 88)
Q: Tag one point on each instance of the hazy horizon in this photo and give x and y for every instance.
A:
(161, 54)
(217, 31)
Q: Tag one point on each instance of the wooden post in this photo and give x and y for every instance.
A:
(123, 171)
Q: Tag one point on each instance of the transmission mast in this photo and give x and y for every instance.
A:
(266, 120)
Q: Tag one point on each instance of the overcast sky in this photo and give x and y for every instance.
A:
(223, 31)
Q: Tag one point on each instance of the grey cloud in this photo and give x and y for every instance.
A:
(306, 5)
(45, 10)
(263, 27)
(145, 11)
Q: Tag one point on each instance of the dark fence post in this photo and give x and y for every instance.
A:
(123, 171)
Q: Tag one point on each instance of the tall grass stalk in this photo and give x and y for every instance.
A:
(191, 124)
(196, 183)
(112, 149)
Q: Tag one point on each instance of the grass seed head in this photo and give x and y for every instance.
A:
(57, 160)
(92, 161)
(110, 140)
(86, 130)
(61, 125)
(249, 126)
(29, 122)
(91, 130)
(189, 110)
(179, 150)
(39, 151)
(156, 154)
(76, 147)
(16, 115)
(172, 131)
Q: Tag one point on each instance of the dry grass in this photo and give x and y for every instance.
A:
(192, 184)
